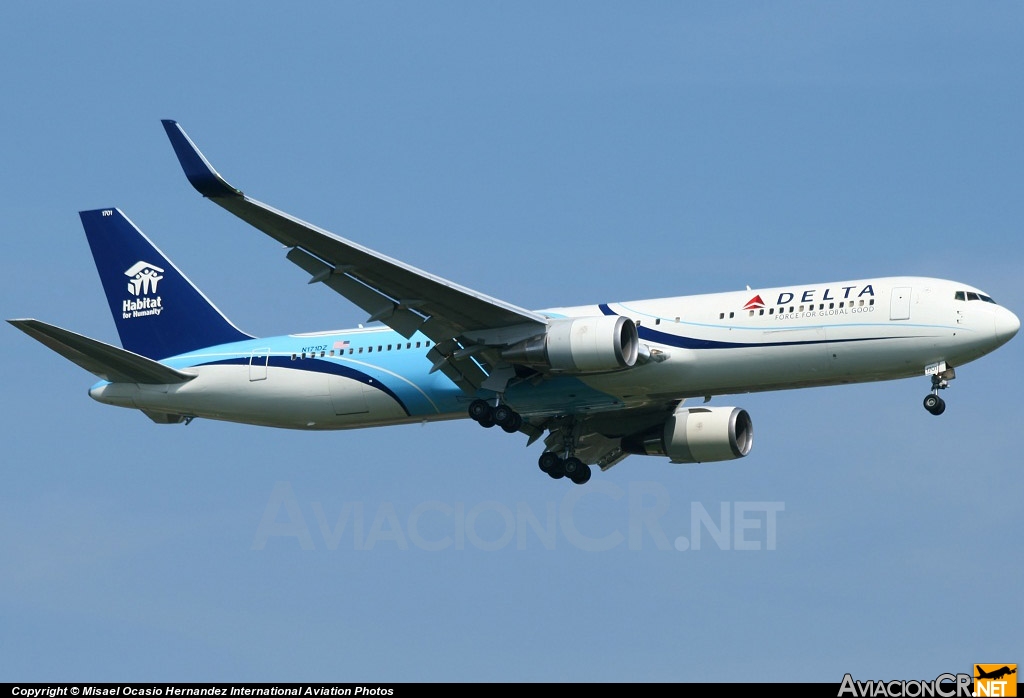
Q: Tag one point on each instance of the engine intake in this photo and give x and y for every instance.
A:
(580, 345)
(697, 435)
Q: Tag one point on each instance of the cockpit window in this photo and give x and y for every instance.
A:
(973, 296)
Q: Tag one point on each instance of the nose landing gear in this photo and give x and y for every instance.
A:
(941, 375)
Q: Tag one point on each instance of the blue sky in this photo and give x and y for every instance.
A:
(549, 156)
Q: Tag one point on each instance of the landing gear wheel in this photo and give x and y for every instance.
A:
(557, 472)
(513, 425)
(479, 411)
(582, 475)
(935, 404)
(507, 418)
(572, 466)
(548, 461)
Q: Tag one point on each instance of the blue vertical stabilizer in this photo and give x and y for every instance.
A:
(157, 310)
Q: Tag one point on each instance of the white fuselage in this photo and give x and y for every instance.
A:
(704, 345)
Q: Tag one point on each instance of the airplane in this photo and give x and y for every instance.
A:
(996, 674)
(602, 381)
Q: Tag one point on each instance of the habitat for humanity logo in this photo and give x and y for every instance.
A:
(988, 680)
(143, 278)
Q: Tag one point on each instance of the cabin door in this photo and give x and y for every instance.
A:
(899, 306)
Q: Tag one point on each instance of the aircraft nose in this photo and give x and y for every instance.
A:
(1007, 325)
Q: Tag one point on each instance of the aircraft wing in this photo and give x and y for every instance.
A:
(401, 296)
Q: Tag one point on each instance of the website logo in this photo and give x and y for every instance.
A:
(143, 278)
(995, 680)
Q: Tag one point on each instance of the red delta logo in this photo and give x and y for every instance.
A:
(754, 303)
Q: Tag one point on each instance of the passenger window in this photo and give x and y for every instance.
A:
(731, 315)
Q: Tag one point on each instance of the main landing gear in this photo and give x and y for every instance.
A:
(557, 467)
(502, 415)
(941, 376)
(487, 415)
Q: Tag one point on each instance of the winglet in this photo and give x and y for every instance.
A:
(198, 169)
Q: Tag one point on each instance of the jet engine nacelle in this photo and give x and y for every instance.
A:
(697, 435)
(580, 345)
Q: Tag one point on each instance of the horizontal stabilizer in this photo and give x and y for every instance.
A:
(104, 360)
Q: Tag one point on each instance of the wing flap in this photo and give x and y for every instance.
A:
(376, 304)
(104, 360)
